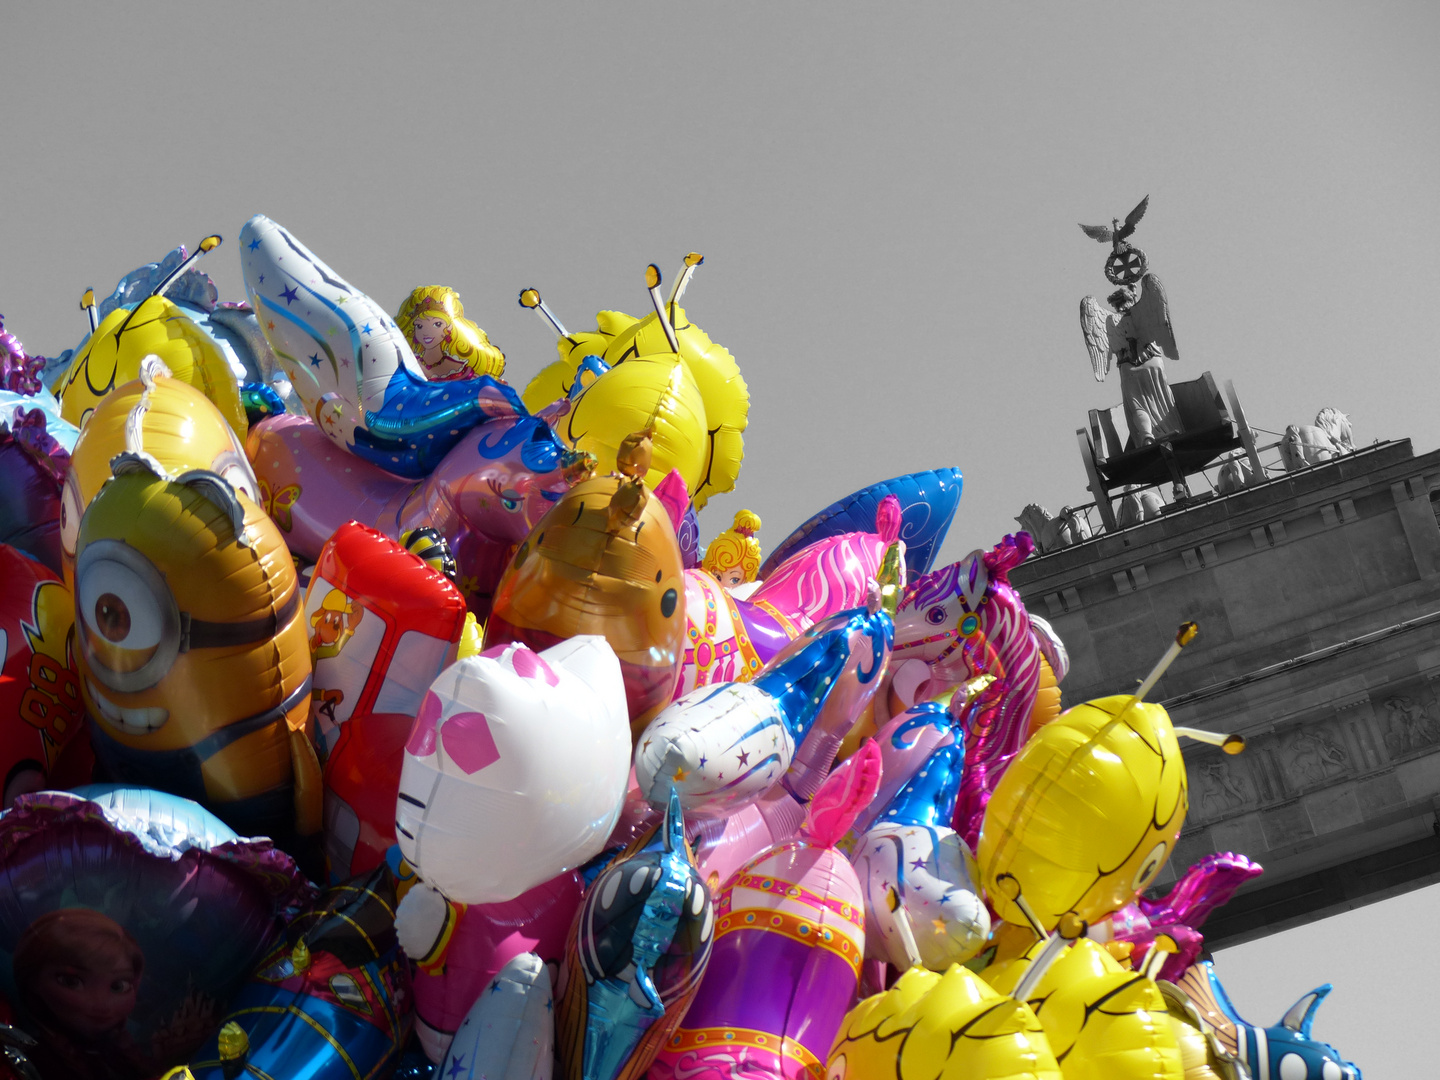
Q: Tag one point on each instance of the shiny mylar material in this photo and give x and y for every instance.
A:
(789, 938)
(41, 713)
(156, 414)
(382, 626)
(192, 651)
(1086, 815)
(137, 880)
(515, 769)
(483, 496)
(157, 327)
(603, 561)
(941, 1027)
(637, 953)
(725, 746)
(703, 411)
(509, 1033)
(348, 360)
(913, 868)
(331, 1001)
(32, 475)
(1102, 1021)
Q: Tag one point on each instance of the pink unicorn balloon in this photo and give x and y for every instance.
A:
(484, 496)
(730, 640)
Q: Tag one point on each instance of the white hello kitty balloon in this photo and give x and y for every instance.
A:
(515, 770)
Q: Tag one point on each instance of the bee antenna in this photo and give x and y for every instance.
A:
(652, 282)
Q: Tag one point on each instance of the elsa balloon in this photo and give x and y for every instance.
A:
(349, 362)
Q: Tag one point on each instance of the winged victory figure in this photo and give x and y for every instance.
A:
(1132, 330)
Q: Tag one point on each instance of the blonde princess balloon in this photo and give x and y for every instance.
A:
(448, 345)
(733, 557)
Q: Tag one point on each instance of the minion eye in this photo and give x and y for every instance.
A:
(118, 604)
(1150, 868)
(70, 515)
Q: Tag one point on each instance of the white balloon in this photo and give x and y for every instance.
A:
(721, 746)
(932, 876)
(509, 1033)
(515, 770)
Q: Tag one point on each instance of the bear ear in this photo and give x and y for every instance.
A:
(216, 490)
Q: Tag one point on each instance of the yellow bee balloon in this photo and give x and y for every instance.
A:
(194, 661)
(159, 415)
(711, 406)
(941, 1027)
(1103, 1022)
(1086, 815)
(156, 327)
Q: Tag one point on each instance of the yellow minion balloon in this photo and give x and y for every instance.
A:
(156, 327)
(941, 1027)
(158, 415)
(1103, 1022)
(194, 661)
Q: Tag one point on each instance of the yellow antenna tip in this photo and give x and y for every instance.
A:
(530, 298)
(652, 276)
(234, 1043)
(88, 300)
(694, 259)
(1186, 633)
(1233, 744)
(210, 243)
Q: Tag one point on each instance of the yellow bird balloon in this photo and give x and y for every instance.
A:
(1103, 1022)
(941, 1027)
(1086, 815)
(707, 408)
(156, 327)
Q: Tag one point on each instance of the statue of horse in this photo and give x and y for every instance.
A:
(1306, 445)
(1066, 529)
(484, 496)
(1235, 474)
(1137, 506)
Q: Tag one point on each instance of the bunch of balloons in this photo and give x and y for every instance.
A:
(365, 716)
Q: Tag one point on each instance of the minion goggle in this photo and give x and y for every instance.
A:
(130, 628)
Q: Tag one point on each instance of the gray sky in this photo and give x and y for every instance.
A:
(886, 196)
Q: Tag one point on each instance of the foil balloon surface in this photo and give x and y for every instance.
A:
(914, 868)
(330, 1002)
(515, 770)
(348, 360)
(722, 747)
(483, 496)
(927, 503)
(509, 1034)
(637, 953)
(382, 625)
(461, 949)
(1086, 815)
(951, 1027)
(1101, 1020)
(42, 716)
(158, 415)
(789, 938)
(362, 780)
(155, 327)
(194, 664)
(32, 474)
(143, 887)
(697, 393)
(603, 561)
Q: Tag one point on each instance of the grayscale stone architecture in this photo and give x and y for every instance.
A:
(1317, 594)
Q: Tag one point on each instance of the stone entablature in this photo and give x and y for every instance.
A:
(1318, 599)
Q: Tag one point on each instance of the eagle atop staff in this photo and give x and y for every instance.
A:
(1132, 330)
